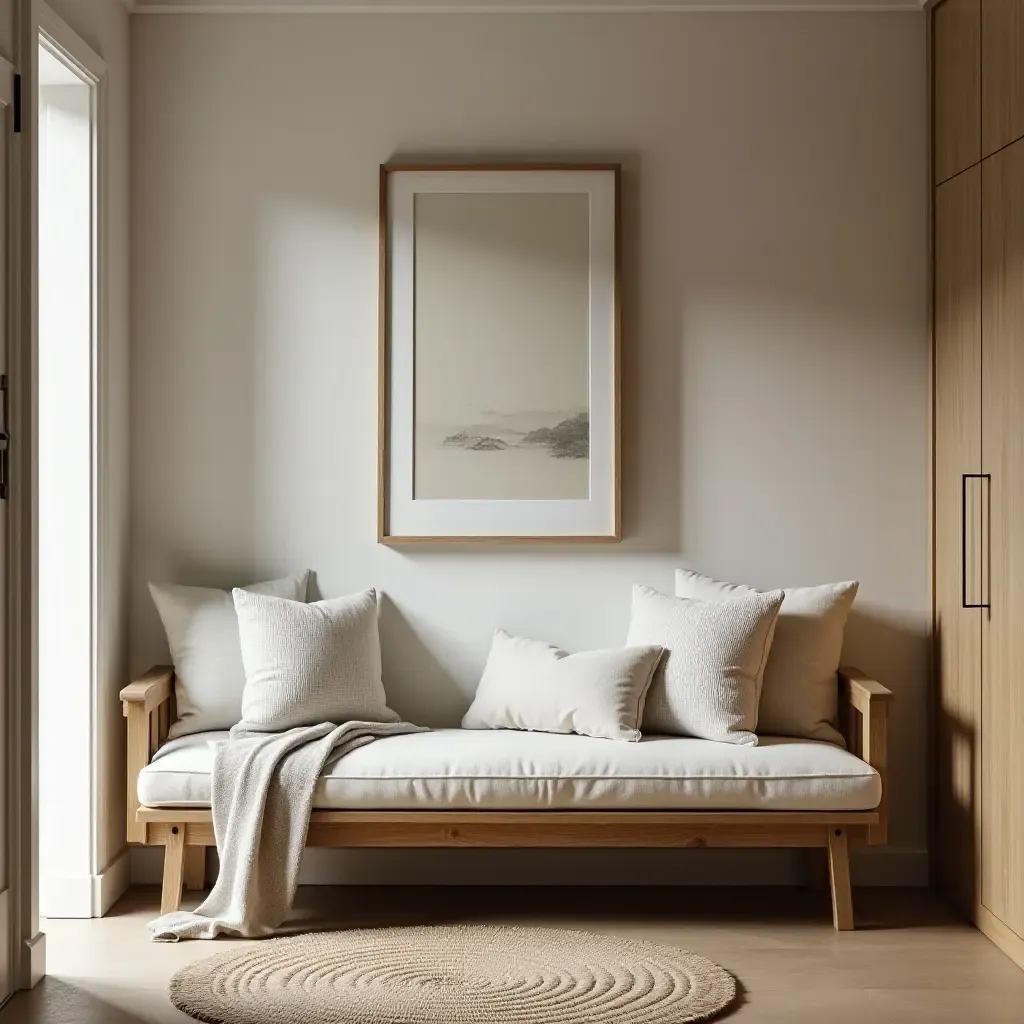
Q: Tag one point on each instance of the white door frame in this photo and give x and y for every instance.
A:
(33, 18)
(79, 890)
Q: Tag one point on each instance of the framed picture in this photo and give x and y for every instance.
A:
(499, 353)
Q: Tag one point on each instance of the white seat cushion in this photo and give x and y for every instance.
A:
(510, 770)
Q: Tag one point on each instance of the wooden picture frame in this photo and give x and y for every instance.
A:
(499, 353)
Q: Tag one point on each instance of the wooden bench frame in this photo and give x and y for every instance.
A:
(185, 834)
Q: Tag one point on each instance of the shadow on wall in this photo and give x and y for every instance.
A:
(896, 654)
(418, 686)
(651, 402)
(957, 773)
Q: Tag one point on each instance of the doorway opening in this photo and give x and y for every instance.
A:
(66, 380)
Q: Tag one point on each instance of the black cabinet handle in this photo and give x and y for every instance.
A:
(5, 438)
(987, 477)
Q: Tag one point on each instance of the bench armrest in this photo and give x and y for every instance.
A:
(151, 690)
(864, 705)
(146, 704)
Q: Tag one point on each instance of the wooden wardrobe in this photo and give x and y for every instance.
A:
(978, 111)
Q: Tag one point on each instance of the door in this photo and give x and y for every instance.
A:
(956, 95)
(1003, 457)
(8, 261)
(959, 503)
(1002, 73)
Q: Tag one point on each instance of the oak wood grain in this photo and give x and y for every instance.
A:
(638, 819)
(174, 867)
(956, 95)
(1005, 938)
(151, 689)
(957, 450)
(867, 734)
(1002, 73)
(151, 692)
(1002, 792)
(839, 876)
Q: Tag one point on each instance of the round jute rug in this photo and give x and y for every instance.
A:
(453, 975)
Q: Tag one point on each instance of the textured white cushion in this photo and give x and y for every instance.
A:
(800, 695)
(709, 678)
(522, 771)
(202, 634)
(310, 663)
(532, 685)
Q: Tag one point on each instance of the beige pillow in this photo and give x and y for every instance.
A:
(800, 696)
(310, 663)
(202, 633)
(532, 685)
(708, 681)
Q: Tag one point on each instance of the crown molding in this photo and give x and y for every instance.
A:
(504, 7)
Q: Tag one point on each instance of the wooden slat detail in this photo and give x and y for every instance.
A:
(1002, 793)
(866, 728)
(480, 829)
(1002, 73)
(146, 704)
(138, 757)
(875, 730)
(956, 35)
(518, 818)
(582, 835)
(956, 630)
(163, 716)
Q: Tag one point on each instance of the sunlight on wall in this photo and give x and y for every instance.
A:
(66, 310)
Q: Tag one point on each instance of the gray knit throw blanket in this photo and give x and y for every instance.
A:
(263, 786)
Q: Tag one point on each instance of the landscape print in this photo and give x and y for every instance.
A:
(502, 407)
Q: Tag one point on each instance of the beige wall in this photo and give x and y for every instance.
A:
(775, 351)
(104, 25)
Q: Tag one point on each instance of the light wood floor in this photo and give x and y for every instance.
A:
(909, 962)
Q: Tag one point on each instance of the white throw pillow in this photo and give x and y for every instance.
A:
(310, 663)
(202, 634)
(800, 696)
(709, 679)
(532, 685)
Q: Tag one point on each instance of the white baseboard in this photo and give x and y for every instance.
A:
(35, 961)
(111, 883)
(86, 896)
(898, 866)
(66, 897)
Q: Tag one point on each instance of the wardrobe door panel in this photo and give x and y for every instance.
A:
(958, 538)
(1002, 73)
(1003, 457)
(956, 29)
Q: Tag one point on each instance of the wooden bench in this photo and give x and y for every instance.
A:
(186, 833)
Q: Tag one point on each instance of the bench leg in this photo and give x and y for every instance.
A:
(174, 869)
(195, 868)
(839, 875)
